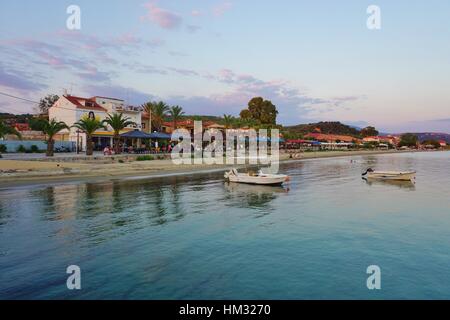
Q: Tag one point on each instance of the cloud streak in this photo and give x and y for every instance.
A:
(18, 80)
(220, 9)
(163, 18)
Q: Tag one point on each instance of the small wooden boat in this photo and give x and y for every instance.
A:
(256, 178)
(390, 175)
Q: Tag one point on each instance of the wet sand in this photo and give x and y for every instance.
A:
(14, 173)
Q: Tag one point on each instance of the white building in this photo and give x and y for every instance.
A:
(71, 109)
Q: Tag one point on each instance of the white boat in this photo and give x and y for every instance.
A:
(258, 178)
(390, 175)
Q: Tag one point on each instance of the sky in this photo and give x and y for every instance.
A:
(315, 60)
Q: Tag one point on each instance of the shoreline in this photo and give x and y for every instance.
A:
(34, 173)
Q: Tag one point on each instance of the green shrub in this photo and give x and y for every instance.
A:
(121, 161)
(145, 158)
(34, 149)
(21, 149)
(3, 148)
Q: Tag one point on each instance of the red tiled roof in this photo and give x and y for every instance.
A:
(22, 126)
(76, 101)
(298, 141)
(100, 97)
(190, 123)
(331, 137)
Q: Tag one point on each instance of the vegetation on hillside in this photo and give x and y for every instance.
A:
(324, 127)
(408, 140)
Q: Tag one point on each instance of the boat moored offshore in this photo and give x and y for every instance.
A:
(390, 175)
(256, 178)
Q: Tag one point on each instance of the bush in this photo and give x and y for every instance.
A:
(3, 148)
(34, 149)
(145, 158)
(21, 149)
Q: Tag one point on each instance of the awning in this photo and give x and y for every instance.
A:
(136, 134)
(160, 135)
(110, 133)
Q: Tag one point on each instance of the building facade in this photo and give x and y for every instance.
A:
(71, 109)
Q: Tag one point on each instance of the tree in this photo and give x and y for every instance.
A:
(408, 140)
(47, 102)
(369, 132)
(175, 113)
(260, 110)
(245, 114)
(117, 122)
(50, 129)
(433, 143)
(89, 126)
(228, 121)
(291, 135)
(158, 112)
(5, 130)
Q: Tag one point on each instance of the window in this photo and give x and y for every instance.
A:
(143, 125)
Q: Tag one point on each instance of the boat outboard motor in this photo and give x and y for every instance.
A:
(368, 170)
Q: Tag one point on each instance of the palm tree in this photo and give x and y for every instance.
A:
(117, 122)
(228, 121)
(158, 112)
(5, 130)
(89, 126)
(148, 107)
(50, 129)
(175, 113)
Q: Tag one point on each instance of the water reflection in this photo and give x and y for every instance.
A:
(407, 185)
(254, 196)
(93, 213)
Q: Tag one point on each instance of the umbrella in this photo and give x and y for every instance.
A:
(136, 134)
(160, 135)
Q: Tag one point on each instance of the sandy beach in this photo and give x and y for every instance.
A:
(15, 172)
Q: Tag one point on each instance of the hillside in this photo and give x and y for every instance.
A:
(324, 127)
(424, 136)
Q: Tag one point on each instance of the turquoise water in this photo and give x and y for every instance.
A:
(195, 237)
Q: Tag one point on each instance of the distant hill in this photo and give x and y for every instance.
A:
(15, 118)
(424, 136)
(326, 128)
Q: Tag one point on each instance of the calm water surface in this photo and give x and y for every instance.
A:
(199, 238)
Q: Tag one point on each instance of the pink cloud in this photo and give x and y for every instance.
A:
(220, 9)
(162, 17)
(196, 13)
